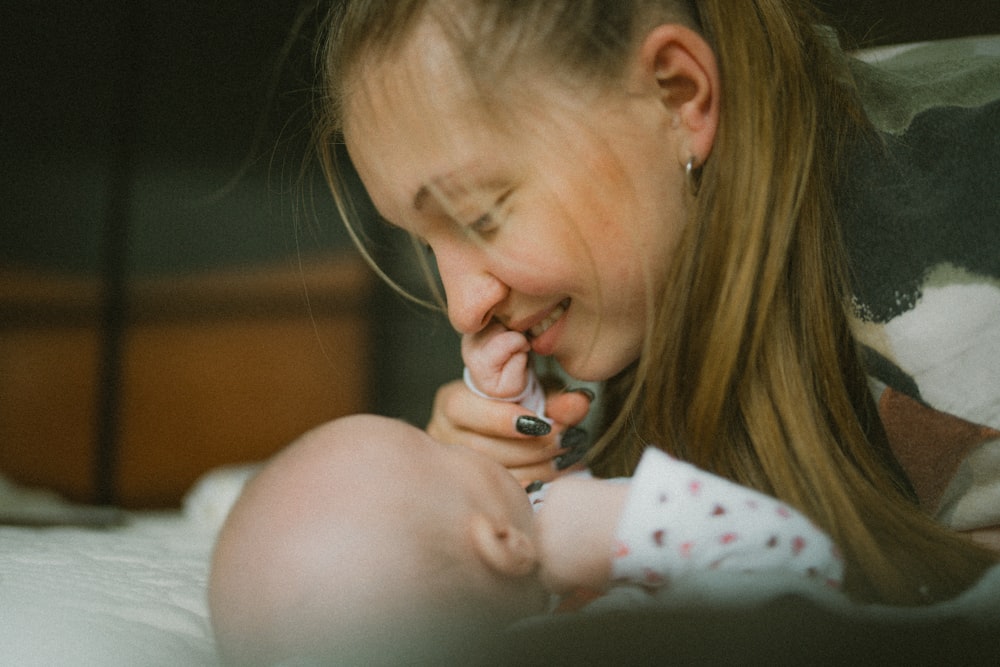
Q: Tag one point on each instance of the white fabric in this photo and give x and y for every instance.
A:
(972, 499)
(950, 345)
(128, 596)
(531, 398)
(680, 521)
(123, 596)
(747, 577)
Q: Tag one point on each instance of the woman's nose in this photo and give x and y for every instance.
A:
(472, 292)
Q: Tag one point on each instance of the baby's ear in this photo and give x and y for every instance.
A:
(503, 547)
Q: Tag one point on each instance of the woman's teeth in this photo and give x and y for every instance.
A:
(544, 325)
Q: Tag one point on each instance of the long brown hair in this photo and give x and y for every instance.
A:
(749, 369)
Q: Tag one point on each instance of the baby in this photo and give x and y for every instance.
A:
(367, 540)
(366, 535)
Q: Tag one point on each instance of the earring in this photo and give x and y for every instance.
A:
(692, 176)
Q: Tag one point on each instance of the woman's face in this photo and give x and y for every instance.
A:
(556, 215)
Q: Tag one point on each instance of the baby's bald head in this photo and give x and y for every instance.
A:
(353, 539)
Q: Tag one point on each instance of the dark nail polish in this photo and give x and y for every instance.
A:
(577, 441)
(583, 390)
(534, 486)
(534, 426)
(575, 438)
(570, 458)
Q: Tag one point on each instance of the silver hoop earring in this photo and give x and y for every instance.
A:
(692, 176)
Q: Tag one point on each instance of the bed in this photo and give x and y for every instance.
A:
(127, 588)
(84, 585)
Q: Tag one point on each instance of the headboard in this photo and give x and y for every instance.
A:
(218, 367)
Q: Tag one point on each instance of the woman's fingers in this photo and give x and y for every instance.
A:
(533, 449)
(458, 411)
(503, 431)
(530, 454)
(569, 407)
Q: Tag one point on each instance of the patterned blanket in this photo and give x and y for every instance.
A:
(922, 225)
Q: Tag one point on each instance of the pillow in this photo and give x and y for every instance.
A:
(921, 219)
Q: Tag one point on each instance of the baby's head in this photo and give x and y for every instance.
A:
(367, 537)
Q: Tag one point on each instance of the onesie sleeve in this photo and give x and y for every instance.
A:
(680, 521)
(532, 398)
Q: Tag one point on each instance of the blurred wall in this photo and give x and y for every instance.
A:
(180, 111)
(878, 22)
(146, 138)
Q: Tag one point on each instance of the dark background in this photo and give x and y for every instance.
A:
(152, 137)
(879, 22)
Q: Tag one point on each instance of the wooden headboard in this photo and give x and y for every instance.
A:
(222, 367)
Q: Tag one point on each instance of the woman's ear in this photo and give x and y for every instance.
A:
(502, 547)
(683, 68)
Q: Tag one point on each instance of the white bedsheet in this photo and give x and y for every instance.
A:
(132, 595)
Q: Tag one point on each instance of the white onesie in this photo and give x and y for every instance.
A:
(686, 534)
(680, 520)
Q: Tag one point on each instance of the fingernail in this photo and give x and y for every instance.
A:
(577, 442)
(534, 486)
(583, 390)
(575, 438)
(570, 458)
(534, 426)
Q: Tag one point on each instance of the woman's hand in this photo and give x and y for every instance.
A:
(506, 432)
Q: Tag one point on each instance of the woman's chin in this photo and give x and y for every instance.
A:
(593, 368)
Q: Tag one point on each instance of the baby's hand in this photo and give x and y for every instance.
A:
(497, 359)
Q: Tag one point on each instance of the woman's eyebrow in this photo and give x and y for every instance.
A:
(439, 187)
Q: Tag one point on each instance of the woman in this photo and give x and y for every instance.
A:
(647, 190)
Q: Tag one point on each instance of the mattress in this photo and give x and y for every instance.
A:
(120, 588)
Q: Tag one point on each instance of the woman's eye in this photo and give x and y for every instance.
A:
(484, 223)
(489, 220)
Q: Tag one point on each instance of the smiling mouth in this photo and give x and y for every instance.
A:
(543, 326)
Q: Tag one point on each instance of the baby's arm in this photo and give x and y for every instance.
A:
(576, 526)
(669, 521)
